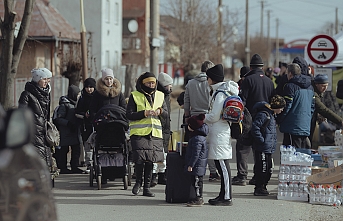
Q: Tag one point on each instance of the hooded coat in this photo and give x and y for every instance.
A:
(66, 119)
(219, 136)
(263, 130)
(38, 100)
(197, 151)
(296, 116)
(106, 95)
(145, 148)
(165, 121)
(195, 89)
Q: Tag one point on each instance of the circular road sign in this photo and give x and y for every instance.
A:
(322, 49)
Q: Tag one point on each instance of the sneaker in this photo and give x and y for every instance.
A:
(260, 192)
(221, 202)
(198, 202)
(252, 181)
(214, 177)
(238, 181)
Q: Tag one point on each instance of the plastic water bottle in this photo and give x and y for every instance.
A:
(317, 195)
(282, 173)
(290, 190)
(328, 195)
(312, 193)
(339, 193)
(287, 169)
(280, 189)
(322, 194)
(301, 190)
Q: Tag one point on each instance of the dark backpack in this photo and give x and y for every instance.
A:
(339, 91)
(241, 131)
(54, 115)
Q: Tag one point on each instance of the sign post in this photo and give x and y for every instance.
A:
(322, 49)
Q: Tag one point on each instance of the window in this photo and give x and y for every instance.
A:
(116, 13)
(107, 11)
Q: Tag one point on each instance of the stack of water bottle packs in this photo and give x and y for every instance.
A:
(325, 194)
(294, 169)
(338, 138)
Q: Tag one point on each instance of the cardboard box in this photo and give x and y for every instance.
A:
(327, 176)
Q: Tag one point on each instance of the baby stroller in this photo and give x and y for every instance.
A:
(110, 155)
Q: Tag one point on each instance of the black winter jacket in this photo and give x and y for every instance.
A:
(197, 151)
(145, 148)
(106, 95)
(67, 122)
(83, 105)
(256, 87)
(165, 121)
(38, 101)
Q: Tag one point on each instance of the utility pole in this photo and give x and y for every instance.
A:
(268, 37)
(336, 21)
(154, 35)
(277, 42)
(83, 44)
(262, 7)
(247, 37)
(220, 32)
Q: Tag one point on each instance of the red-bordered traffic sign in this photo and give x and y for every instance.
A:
(322, 49)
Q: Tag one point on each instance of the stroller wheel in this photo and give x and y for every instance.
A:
(91, 176)
(125, 180)
(99, 182)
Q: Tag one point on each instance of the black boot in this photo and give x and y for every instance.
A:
(139, 178)
(162, 178)
(153, 180)
(147, 179)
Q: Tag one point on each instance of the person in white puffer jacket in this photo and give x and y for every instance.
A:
(219, 137)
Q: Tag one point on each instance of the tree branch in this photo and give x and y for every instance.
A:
(22, 35)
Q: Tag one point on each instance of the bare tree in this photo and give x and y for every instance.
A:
(195, 24)
(71, 63)
(12, 47)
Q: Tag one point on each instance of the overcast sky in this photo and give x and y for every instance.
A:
(297, 18)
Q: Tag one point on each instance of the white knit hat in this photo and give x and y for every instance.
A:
(106, 72)
(165, 79)
(40, 73)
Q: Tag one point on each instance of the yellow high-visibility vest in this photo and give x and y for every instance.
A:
(150, 124)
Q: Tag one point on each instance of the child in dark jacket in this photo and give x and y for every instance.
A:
(196, 156)
(264, 133)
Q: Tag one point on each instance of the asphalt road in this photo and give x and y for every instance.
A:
(76, 201)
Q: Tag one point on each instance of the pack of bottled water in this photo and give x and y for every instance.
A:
(289, 154)
(294, 169)
(325, 194)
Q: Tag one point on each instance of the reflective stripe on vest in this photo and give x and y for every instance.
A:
(150, 124)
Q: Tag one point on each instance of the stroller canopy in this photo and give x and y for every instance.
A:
(111, 113)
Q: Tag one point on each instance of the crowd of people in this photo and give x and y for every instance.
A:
(292, 101)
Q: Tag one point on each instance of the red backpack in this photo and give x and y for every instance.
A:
(233, 108)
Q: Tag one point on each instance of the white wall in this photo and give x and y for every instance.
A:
(106, 35)
(111, 34)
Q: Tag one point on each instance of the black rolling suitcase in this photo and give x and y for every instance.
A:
(178, 187)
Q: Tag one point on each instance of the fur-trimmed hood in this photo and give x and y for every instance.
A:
(113, 91)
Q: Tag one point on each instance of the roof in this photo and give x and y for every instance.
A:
(46, 21)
